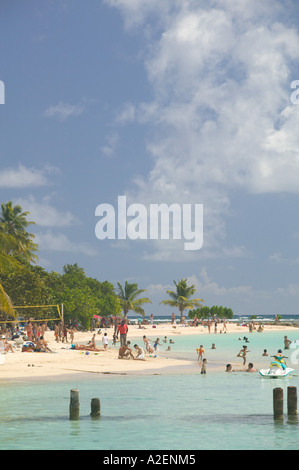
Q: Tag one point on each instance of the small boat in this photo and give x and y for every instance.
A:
(276, 370)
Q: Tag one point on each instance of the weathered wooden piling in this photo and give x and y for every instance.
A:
(95, 408)
(292, 403)
(74, 405)
(278, 404)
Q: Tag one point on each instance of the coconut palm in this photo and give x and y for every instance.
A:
(181, 298)
(128, 298)
(7, 262)
(13, 222)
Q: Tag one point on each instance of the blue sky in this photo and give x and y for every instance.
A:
(173, 101)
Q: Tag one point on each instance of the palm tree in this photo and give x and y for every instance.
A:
(13, 222)
(7, 262)
(181, 297)
(128, 300)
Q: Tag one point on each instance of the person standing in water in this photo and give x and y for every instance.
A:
(243, 354)
(287, 342)
(200, 352)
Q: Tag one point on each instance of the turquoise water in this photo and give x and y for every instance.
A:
(228, 346)
(155, 412)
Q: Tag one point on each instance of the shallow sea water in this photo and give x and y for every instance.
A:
(176, 411)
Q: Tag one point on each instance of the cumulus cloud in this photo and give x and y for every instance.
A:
(24, 177)
(221, 116)
(45, 214)
(60, 242)
(111, 143)
(63, 111)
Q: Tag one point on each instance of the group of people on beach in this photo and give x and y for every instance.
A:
(125, 350)
(242, 353)
(31, 339)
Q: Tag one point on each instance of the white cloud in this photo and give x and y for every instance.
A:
(135, 12)
(206, 286)
(127, 114)
(109, 149)
(210, 291)
(63, 111)
(60, 242)
(221, 112)
(291, 289)
(23, 177)
(44, 214)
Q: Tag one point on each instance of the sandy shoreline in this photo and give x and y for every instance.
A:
(64, 361)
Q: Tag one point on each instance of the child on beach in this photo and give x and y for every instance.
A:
(105, 341)
(243, 353)
(200, 352)
(140, 353)
(204, 367)
(148, 347)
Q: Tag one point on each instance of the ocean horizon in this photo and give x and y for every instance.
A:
(236, 318)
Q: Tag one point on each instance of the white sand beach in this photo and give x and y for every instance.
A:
(64, 360)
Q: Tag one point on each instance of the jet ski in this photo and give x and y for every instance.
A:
(278, 368)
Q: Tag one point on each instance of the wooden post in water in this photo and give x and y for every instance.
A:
(292, 403)
(95, 408)
(74, 405)
(278, 403)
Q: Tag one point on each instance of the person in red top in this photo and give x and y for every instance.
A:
(123, 330)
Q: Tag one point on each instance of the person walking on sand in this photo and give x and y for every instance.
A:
(72, 334)
(123, 331)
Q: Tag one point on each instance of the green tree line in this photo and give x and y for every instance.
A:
(208, 312)
(24, 283)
